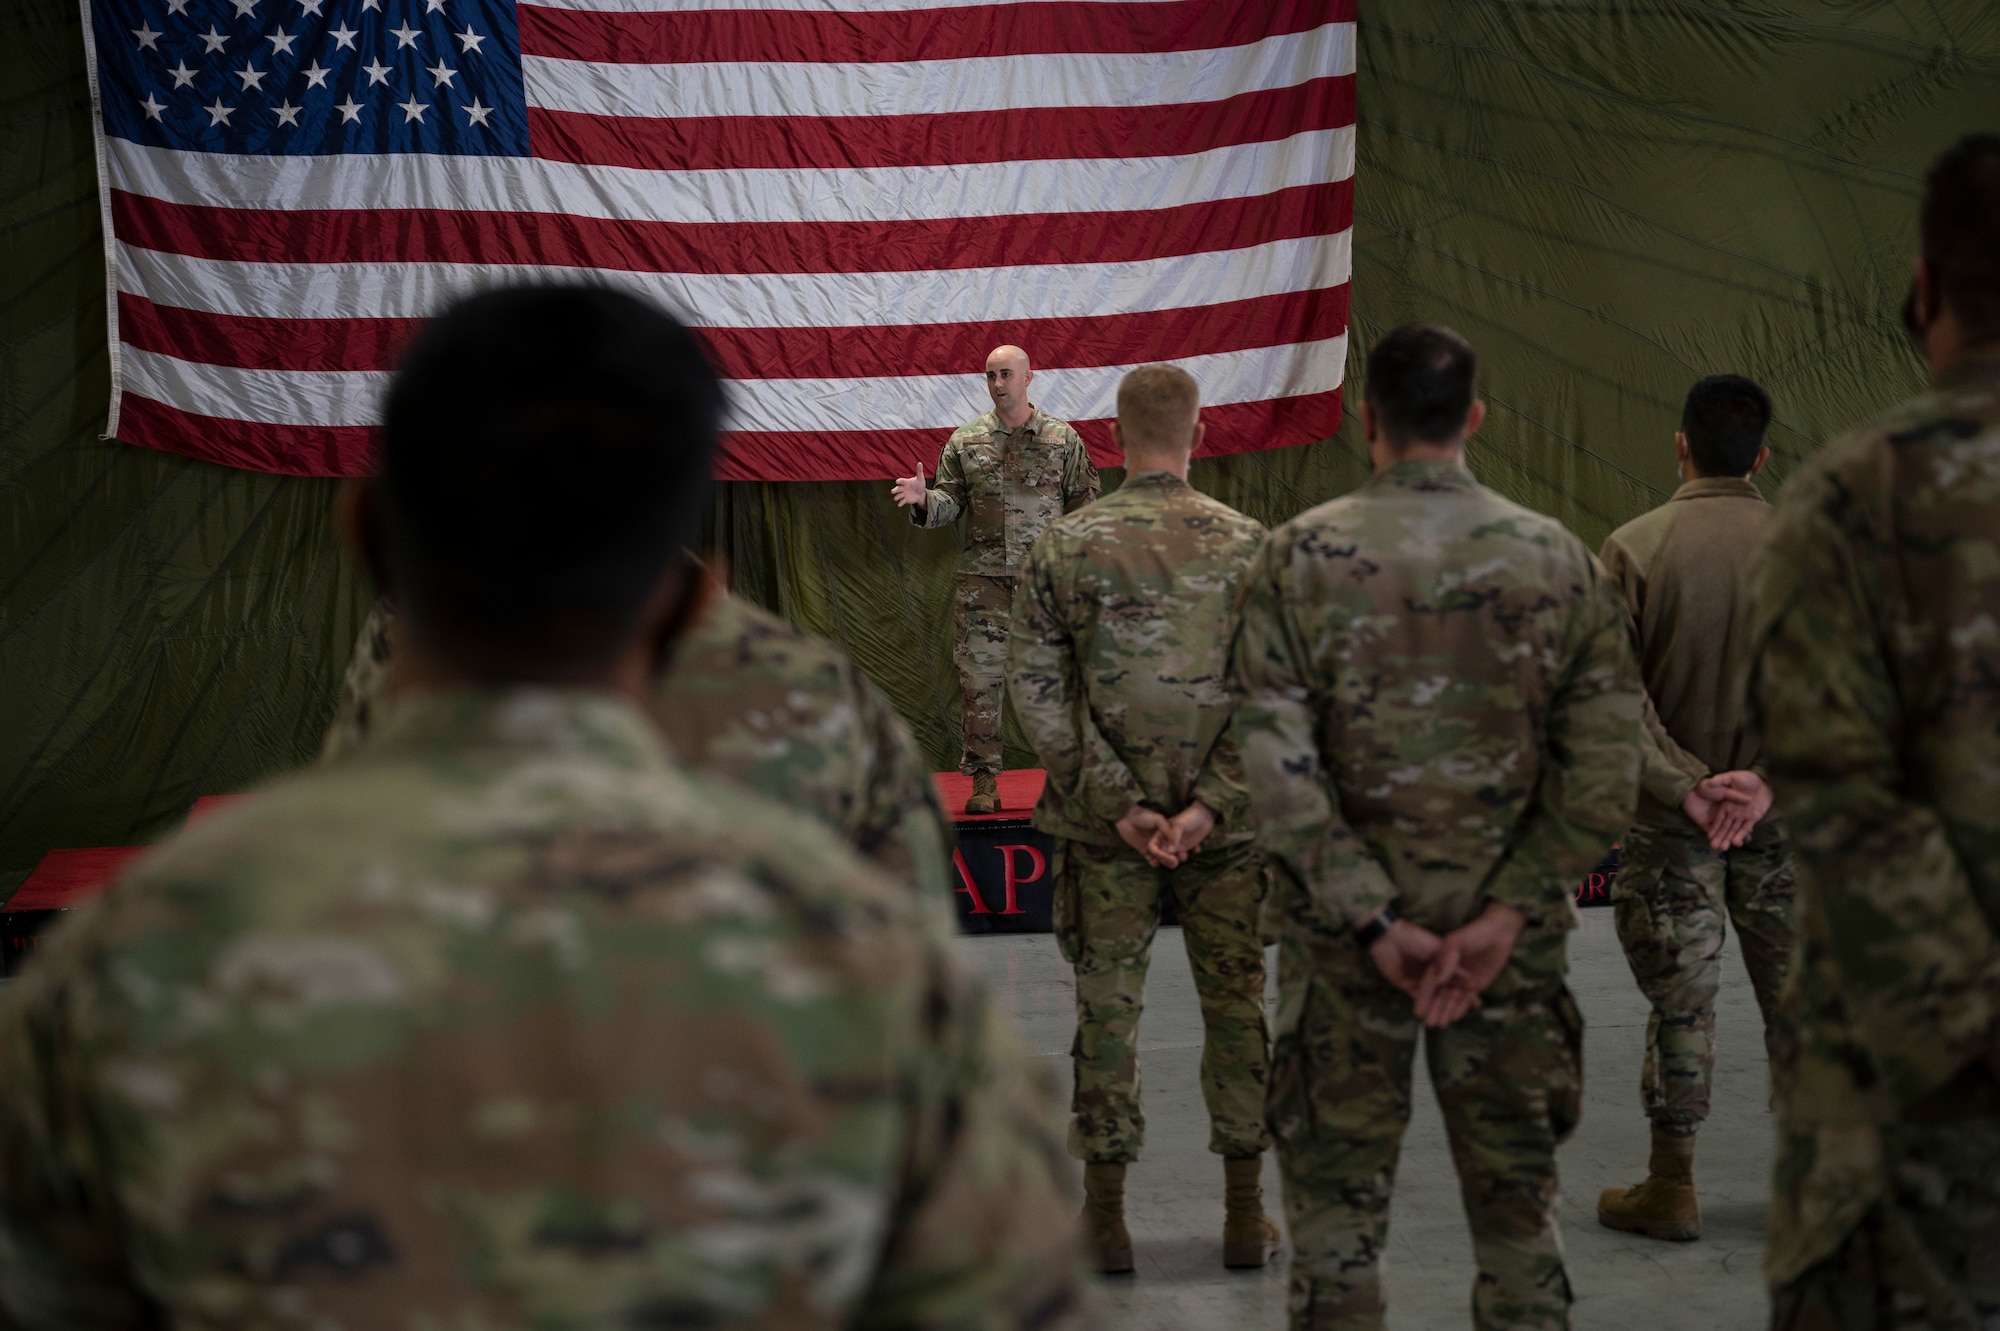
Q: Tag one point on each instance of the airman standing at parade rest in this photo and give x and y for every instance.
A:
(504, 1019)
(1010, 473)
(1683, 571)
(1439, 722)
(1878, 689)
(747, 696)
(1118, 672)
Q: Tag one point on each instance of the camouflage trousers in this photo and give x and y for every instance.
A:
(984, 607)
(1926, 1252)
(1674, 896)
(1509, 1081)
(1107, 911)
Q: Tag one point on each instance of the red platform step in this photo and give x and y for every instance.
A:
(66, 878)
(1018, 793)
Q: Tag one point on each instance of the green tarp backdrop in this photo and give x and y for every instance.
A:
(1609, 199)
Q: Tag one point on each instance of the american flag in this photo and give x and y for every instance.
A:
(852, 200)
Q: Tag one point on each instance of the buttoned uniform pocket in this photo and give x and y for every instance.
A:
(1042, 468)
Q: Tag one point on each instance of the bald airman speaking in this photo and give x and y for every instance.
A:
(1011, 473)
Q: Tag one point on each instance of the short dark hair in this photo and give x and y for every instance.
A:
(1961, 232)
(1420, 381)
(545, 460)
(1724, 420)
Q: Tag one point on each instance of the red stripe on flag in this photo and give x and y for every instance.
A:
(260, 343)
(1247, 427)
(970, 32)
(885, 351)
(1028, 134)
(442, 235)
(864, 455)
(855, 455)
(283, 450)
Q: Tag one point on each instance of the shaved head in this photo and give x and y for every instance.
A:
(1007, 379)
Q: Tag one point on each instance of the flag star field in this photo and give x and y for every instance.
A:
(326, 76)
(850, 201)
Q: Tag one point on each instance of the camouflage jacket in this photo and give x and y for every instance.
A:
(1119, 657)
(788, 714)
(1010, 485)
(504, 1021)
(1878, 692)
(751, 698)
(364, 689)
(1440, 703)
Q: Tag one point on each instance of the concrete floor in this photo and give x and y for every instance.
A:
(1174, 1195)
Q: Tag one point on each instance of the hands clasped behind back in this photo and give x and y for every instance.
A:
(1166, 842)
(1446, 975)
(1728, 806)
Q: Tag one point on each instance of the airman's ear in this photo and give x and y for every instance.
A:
(1923, 294)
(357, 520)
(714, 571)
(687, 595)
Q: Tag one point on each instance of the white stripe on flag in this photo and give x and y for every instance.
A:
(931, 402)
(936, 87)
(755, 300)
(848, 194)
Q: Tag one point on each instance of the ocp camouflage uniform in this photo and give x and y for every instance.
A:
(1683, 571)
(788, 714)
(1120, 652)
(364, 689)
(503, 1021)
(1879, 695)
(1010, 485)
(751, 698)
(1440, 708)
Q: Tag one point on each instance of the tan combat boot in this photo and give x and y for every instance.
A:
(1665, 1205)
(985, 794)
(1104, 1217)
(1248, 1235)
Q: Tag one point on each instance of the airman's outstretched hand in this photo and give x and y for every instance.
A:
(910, 491)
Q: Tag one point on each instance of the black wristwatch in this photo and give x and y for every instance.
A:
(1375, 928)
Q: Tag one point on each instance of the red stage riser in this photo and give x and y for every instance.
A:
(1002, 873)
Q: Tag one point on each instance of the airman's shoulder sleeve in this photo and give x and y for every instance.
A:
(1080, 481)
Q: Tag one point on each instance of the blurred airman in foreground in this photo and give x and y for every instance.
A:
(1878, 689)
(504, 1020)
